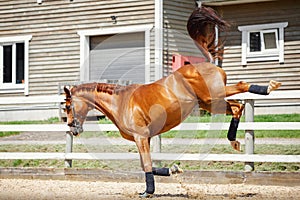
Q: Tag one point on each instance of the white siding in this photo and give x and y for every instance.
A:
(176, 38)
(54, 51)
(262, 72)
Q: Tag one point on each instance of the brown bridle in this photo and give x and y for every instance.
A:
(75, 124)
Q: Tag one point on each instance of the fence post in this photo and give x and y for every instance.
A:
(249, 134)
(156, 141)
(69, 148)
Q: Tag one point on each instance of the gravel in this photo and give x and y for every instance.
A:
(84, 190)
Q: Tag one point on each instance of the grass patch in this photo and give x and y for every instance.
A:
(6, 134)
(277, 118)
(52, 120)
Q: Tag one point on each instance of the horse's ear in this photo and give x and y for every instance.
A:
(67, 91)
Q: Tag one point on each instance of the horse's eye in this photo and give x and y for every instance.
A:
(68, 107)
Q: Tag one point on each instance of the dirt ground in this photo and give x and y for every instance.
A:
(84, 190)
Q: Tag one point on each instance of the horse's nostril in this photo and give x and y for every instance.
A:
(75, 134)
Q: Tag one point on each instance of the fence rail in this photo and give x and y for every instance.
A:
(183, 126)
(155, 156)
(249, 126)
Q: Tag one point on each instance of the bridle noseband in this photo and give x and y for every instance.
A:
(75, 123)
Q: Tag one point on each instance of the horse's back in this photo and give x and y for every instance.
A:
(206, 79)
(204, 69)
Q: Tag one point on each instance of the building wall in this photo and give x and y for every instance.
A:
(261, 72)
(176, 39)
(54, 50)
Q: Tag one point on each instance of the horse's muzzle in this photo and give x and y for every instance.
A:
(75, 131)
(75, 128)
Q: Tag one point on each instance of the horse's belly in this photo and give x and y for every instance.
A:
(165, 117)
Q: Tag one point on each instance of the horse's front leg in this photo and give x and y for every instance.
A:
(143, 145)
(256, 89)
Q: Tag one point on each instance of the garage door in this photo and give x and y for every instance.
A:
(118, 57)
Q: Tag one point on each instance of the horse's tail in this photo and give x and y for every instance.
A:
(201, 28)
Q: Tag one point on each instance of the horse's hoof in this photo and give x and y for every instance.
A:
(145, 195)
(273, 85)
(175, 169)
(236, 145)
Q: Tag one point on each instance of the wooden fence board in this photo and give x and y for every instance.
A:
(155, 156)
(183, 127)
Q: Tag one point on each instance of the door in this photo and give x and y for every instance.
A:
(118, 57)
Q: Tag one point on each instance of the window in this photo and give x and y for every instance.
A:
(270, 39)
(263, 42)
(14, 64)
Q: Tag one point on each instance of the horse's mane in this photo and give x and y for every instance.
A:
(97, 87)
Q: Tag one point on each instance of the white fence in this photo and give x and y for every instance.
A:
(249, 126)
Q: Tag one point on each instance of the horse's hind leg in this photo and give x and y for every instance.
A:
(240, 87)
(235, 109)
(256, 89)
(265, 90)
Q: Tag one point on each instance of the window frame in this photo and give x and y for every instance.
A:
(14, 87)
(264, 54)
(262, 43)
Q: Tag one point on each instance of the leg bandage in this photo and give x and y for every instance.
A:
(150, 187)
(231, 135)
(161, 171)
(257, 89)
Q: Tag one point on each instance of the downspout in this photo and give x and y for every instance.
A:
(158, 60)
(158, 45)
(216, 43)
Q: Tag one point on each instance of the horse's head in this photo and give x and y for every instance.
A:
(76, 110)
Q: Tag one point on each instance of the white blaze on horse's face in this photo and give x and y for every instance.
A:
(69, 111)
(76, 111)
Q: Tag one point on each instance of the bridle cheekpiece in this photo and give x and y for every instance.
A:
(75, 126)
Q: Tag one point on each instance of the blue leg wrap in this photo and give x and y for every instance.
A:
(161, 171)
(231, 135)
(150, 187)
(257, 89)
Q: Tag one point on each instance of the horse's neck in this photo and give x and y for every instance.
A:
(104, 102)
(99, 101)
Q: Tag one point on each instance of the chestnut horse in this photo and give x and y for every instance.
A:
(143, 111)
